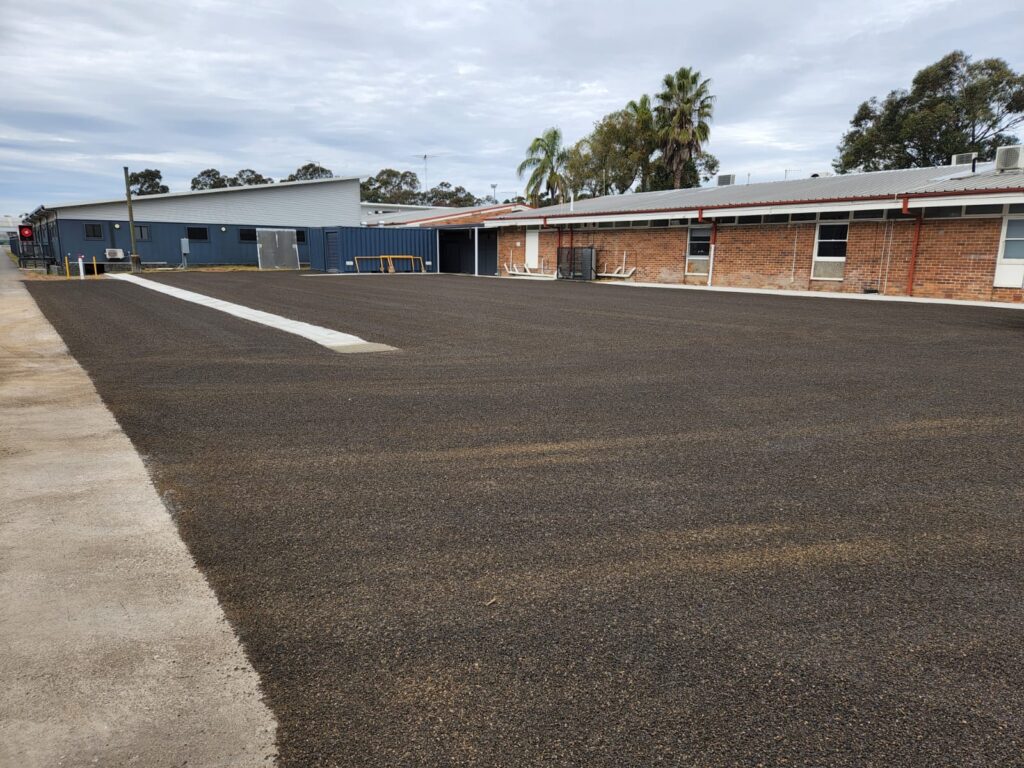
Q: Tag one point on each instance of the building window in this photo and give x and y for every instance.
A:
(803, 217)
(247, 235)
(1013, 244)
(748, 219)
(943, 212)
(93, 231)
(698, 251)
(197, 233)
(142, 232)
(776, 218)
(983, 210)
(830, 252)
(872, 214)
(300, 235)
(834, 215)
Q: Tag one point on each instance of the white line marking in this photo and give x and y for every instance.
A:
(822, 294)
(334, 340)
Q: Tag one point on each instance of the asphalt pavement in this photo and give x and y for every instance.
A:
(569, 524)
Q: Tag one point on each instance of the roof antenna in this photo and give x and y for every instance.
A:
(748, 177)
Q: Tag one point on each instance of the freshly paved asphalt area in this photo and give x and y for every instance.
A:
(570, 524)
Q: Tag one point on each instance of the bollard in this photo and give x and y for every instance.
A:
(81, 267)
(67, 266)
(95, 272)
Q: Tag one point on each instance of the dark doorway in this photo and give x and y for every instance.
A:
(457, 250)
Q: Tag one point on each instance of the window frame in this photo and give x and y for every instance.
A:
(691, 257)
(301, 238)
(139, 238)
(255, 237)
(830, 259)
(1016, 261)
(97, 224)
(188, 234)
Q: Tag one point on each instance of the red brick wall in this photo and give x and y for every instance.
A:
(956, 257)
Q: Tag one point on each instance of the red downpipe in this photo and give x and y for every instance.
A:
(913, 256)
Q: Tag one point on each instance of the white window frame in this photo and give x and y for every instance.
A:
(1009, 273)
(816, 258)
(686, 267)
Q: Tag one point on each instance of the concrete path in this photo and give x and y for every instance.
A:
(113, 649)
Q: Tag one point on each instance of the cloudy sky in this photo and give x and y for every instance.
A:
(357, 86)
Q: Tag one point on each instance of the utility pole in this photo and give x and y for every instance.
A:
(136, 262)
(494, 192)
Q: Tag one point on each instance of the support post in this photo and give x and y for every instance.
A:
(133, 257)
(476, 251)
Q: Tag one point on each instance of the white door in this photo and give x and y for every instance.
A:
(532, 248)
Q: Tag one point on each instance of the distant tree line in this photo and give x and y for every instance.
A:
(403, 187)
(650, 144)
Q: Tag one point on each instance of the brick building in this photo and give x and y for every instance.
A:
(954, 232)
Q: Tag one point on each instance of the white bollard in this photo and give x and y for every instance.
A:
(81, 267)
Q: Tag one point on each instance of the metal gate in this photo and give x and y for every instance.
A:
(576, 263)
(277, 249)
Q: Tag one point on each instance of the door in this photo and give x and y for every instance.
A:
(277, 249)
(332, 254)
(532, 248)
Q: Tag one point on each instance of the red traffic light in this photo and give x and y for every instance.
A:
(26, 233)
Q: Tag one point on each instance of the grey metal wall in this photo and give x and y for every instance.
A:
(313, 204)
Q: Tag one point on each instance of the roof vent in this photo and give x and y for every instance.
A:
(725, 179)
(963, 158)
(1010, 158)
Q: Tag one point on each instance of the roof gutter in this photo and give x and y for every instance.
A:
(702, 210)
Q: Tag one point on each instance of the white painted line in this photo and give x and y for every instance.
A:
(822, 294)
(334, 340)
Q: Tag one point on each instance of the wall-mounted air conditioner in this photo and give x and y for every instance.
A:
(1010, 158)
(725, 179)
(114, 254)
(963, 158)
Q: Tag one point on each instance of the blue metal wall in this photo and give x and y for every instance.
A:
(164, 244)
(376, 241)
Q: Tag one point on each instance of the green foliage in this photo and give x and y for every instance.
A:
(642, 147)
(147, 182)
(391, 186)
(309, 172)
(211, 178)
(447, 195)
(247, 177)
(955, 105)
(684, 112)
(545, 161)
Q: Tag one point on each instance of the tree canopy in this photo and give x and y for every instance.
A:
(309, 172)
(955, 105)
(391, 186)
(211, 178)
(447, 195)
(147, 182)
(247, 177)
(650, 144)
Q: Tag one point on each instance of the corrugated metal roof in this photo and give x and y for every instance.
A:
(401, 217)
(436, 215)
(878, 184)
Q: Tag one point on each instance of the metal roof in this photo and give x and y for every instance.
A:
(438, 215)
(859, 186)
(402, 217)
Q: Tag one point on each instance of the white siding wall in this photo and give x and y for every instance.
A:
(321, 204)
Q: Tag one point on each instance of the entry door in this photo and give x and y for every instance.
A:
(332, 254)
(277, 249)
(532, 248)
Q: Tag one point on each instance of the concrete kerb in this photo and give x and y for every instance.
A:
(113, 648)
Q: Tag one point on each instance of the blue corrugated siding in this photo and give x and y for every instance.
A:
(164, 244)
(378, 241)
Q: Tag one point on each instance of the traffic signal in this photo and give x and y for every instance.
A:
(26, 233)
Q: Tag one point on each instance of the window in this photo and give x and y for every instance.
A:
(247, 235)
(748, 219)
(698, 251)
(1017, 208)
(142, 232)
(942, 212)
(834, 215)
(677, 222)
(197, 233)
(776, 218)
(300, 235)
(725, 219)
(983, 210)
(830, 252)
(896, 213)
(93, 231)
(659, 223)
(1013, 245)
(872, 214)
(639, 223)
(606, 225)
(803, 217)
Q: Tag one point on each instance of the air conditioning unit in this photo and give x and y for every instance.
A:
(725, 179)
(114, 254)
(963, 158)
(1010, 158)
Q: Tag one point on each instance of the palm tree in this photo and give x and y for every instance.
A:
(645, 137)
(545, 160)
(684, 111)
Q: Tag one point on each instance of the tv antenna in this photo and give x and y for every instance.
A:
(425, 157)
